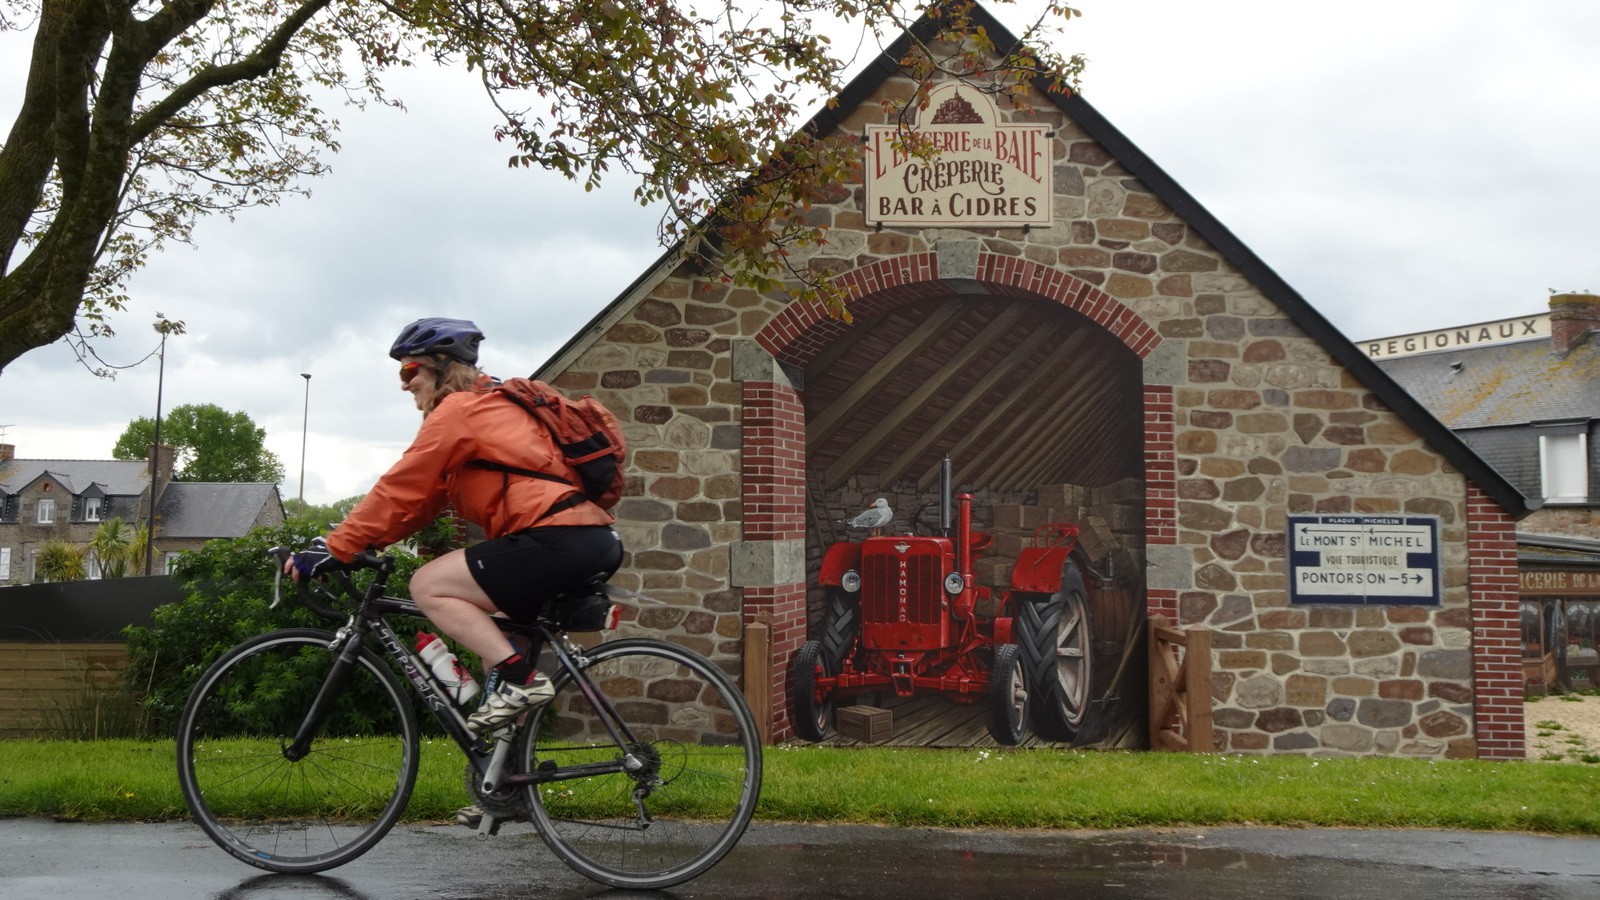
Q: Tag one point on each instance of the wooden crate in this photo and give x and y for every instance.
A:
(867, 724)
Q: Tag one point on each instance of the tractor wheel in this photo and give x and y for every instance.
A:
(1008, 696)
(841, 624)
(1054, 633)
(810, 705)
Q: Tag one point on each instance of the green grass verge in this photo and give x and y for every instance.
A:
(954, 788)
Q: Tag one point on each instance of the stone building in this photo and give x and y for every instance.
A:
(1109, 352)
(43, 500)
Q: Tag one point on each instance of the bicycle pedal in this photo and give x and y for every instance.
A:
(490, 825)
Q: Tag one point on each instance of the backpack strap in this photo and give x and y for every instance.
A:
(514, 470)
(505, 477)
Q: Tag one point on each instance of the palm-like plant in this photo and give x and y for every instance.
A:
(61, 561)
(113, 546)
(136, 549)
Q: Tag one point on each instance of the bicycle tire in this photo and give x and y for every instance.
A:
(703, 767)
(305, 815)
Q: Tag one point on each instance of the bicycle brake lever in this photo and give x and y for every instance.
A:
(279, 556)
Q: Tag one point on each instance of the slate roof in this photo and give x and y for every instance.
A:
(212, 510)
(1504, 384)
(1438, 436)
(119, 477)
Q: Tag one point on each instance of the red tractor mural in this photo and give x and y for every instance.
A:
(904, 614)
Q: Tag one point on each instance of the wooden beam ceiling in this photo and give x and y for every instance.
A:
(1018, 393)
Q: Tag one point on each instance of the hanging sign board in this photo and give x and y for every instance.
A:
(984, 174)
(1388, 560)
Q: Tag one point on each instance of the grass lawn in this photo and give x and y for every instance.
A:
(951, 788)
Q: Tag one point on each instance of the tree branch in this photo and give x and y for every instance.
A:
(265, 58)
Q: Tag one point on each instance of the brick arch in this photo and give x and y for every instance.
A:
(802, 330)
(773, 445)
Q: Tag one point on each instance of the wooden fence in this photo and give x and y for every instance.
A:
(62, 654)
(62, 689)
(1180, 687)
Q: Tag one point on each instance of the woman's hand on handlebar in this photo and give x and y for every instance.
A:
(313, 562)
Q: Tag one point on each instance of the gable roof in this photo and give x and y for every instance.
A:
(1499, 385)
(117, 477)
(212, 510)
(1183, 205)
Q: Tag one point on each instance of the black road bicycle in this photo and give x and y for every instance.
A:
(298, 749)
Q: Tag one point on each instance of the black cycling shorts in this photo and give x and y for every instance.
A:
(521, 572)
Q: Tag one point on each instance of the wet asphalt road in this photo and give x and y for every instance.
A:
(40, 858)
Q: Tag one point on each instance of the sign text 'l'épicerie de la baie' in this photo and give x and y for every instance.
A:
(985, 173)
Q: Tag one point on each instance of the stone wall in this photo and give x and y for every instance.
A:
(665, 371)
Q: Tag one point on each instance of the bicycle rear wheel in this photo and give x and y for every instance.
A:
(295, 815)
(701, 776)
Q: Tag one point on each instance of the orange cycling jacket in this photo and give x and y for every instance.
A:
(434, 473)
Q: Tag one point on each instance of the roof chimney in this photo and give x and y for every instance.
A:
(162, 464)
(1571, 317)
(8, 451)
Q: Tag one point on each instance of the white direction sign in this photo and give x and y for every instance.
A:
(1364, 559)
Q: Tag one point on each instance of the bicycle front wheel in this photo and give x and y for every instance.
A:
(699, 773)
(264, 803)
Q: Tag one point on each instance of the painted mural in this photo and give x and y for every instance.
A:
(975, 535)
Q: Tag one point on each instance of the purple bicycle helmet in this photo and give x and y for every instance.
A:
(455, 338)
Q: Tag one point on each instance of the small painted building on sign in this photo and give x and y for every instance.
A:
(1044, 306)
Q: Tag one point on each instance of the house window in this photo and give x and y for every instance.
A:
(92, 507)
(47, 511)
(5, 563)
(1564, 467)
(171, 560)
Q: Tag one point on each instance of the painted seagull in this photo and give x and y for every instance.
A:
(876, 516)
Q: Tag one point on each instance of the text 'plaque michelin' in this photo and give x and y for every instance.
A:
(1364, 559)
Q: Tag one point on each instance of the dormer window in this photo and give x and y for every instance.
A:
(1564, 467)
(93, 508)
(47, 511)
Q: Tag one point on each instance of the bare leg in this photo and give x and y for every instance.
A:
(449, 596)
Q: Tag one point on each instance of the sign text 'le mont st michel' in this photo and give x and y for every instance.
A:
(985, 173)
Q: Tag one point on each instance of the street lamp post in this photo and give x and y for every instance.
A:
(305, 416)
(155, 457)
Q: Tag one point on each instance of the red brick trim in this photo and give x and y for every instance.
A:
(802, 330)
(773, 462)
(1496, 628)
(783, 608)
(1160, 486)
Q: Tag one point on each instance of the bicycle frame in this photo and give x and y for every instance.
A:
(489, 763)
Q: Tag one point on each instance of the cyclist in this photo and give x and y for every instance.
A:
(543, 538)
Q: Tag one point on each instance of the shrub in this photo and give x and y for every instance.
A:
(227, 587)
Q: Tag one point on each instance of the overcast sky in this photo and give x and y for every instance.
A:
(1404, 165)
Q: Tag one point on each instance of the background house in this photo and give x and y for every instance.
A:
(1525, 394)
(43, 500)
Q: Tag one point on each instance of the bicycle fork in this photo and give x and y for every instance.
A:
(332, 688)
